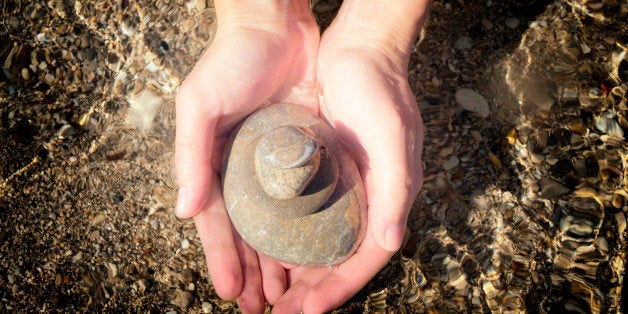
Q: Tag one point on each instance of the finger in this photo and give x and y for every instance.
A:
(273, 279)
(193, 152)
(288, 266)
(300, 280)
(214, 229)
(291, 301)
(251, 299)
(346, 279)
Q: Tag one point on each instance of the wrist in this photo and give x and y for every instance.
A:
(389, 29)
(270, 15)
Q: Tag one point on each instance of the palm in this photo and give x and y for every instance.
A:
(247, 68)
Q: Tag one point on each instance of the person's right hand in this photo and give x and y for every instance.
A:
(262, 53)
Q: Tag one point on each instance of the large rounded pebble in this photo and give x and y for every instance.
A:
(275, 227)
(472, 101)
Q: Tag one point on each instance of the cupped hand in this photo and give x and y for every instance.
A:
(259, 58)
(255, 58)
(365, 96)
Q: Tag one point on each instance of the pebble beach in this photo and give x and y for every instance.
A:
(525, 198)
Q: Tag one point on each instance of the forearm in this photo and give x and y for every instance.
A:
(388, 26)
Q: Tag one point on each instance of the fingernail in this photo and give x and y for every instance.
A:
(394, 236)
(183, 202)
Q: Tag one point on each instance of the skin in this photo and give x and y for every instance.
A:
(355, 78)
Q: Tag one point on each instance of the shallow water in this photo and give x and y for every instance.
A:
(522, 211)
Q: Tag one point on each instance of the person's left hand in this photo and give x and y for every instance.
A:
(364, 94)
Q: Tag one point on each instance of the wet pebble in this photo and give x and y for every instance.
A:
(541, 138)
(495, 160)
(446, 151)
(511, 22)
(551, 188)
(66, 131)
(98, 219)
(609, 126)
(617, 200)
(620, 221)
(536, 158)
(472, 101)
(77, 257)
(602, 245)
(112, 270)
(182, 299)
(26, 75)
(580, 229)
(463, 43)
(185, 244)
(487, 24)
(142, 284)
(49, 78)
(41, 37)
(199, 5)
(207, 307)
(476, 135)
(155, 224)
(451, 163)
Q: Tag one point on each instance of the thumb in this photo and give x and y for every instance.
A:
(217, 90)
(194, 141)
(388, 212)
(394, 178)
